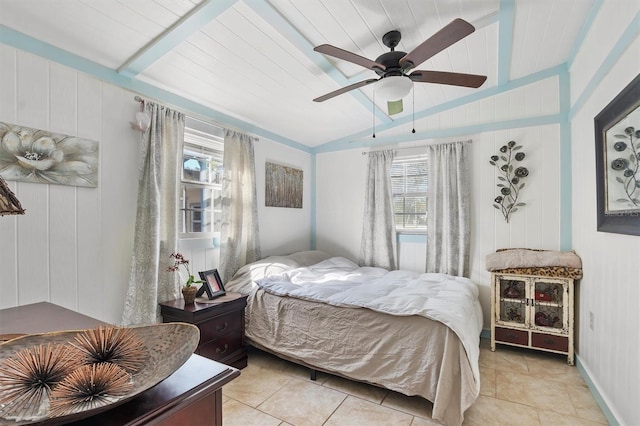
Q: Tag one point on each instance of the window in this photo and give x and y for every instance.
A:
(409, 183)
(200, 186)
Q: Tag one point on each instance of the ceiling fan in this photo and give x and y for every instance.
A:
(393, 67)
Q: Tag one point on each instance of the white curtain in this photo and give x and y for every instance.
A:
(378, 246)
(156, 233)
(448, 226)
(239, 233)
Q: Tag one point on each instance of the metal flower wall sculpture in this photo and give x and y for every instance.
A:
(511, 179)
(629, 168)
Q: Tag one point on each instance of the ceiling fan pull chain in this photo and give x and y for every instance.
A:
(413, 112)
(373, 113)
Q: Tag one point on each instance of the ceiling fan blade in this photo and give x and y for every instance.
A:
(345, 55)
(345, 89)
(455, 31)
(395, 107)
(450, 78)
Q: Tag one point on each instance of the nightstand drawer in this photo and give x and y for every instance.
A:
(220, 325)
(221, 348)
(547, 341)
(519, 337)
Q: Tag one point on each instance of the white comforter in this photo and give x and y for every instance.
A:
(337, 281)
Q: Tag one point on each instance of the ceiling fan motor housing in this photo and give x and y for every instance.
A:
(391, 62)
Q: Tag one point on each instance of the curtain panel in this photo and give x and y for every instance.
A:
(378, 245)
(448, 217)
(239, 234)
(156, 232)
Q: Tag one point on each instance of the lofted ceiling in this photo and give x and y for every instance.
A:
(252, 62)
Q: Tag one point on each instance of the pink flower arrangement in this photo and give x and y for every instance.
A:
(179, 259)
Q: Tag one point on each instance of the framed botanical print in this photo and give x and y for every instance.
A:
(617, 136)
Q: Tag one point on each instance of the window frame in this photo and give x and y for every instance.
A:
(205, 141)
(405, 159)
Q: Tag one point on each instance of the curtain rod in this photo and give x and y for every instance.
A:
(198, 117)
(418, 146)
(395, 149)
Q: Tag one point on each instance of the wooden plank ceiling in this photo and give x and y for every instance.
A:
(253, 59)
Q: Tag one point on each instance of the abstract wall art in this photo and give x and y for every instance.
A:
(283, 187)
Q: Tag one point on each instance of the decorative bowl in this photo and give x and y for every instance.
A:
(168, 347)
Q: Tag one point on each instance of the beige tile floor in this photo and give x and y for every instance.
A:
(518, 387)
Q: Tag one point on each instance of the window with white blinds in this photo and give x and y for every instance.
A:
(409, 183)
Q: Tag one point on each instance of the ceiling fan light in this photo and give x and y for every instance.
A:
(393, 88)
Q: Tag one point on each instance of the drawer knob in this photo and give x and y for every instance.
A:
(221, 351)
(220, 327)
(550, 342)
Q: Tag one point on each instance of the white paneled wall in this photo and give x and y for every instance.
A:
(610, 289)
(72, 246)
(283, 230)
(412, 256)
(340, 181)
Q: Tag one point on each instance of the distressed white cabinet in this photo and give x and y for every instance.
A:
(534, 312)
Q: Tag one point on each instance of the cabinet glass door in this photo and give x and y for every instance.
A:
(548, 307)
(512, 294)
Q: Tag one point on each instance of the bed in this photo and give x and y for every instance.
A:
(417, 334)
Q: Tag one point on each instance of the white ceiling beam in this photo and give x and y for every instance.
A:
(192, 22)
(505, 39)
(275, 19)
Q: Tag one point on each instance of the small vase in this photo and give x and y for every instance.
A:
(189, 294)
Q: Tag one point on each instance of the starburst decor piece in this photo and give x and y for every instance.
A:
(88, 387)
(511, 178)
(27, 378)
(116, 345)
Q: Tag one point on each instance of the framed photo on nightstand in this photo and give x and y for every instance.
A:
(212, 284)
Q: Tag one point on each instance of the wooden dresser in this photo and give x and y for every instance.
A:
(221, 324)
(192, 395)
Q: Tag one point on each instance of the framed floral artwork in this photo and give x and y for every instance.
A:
(617, 136)
(32, 155)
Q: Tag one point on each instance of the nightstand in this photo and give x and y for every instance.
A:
(221, 324)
